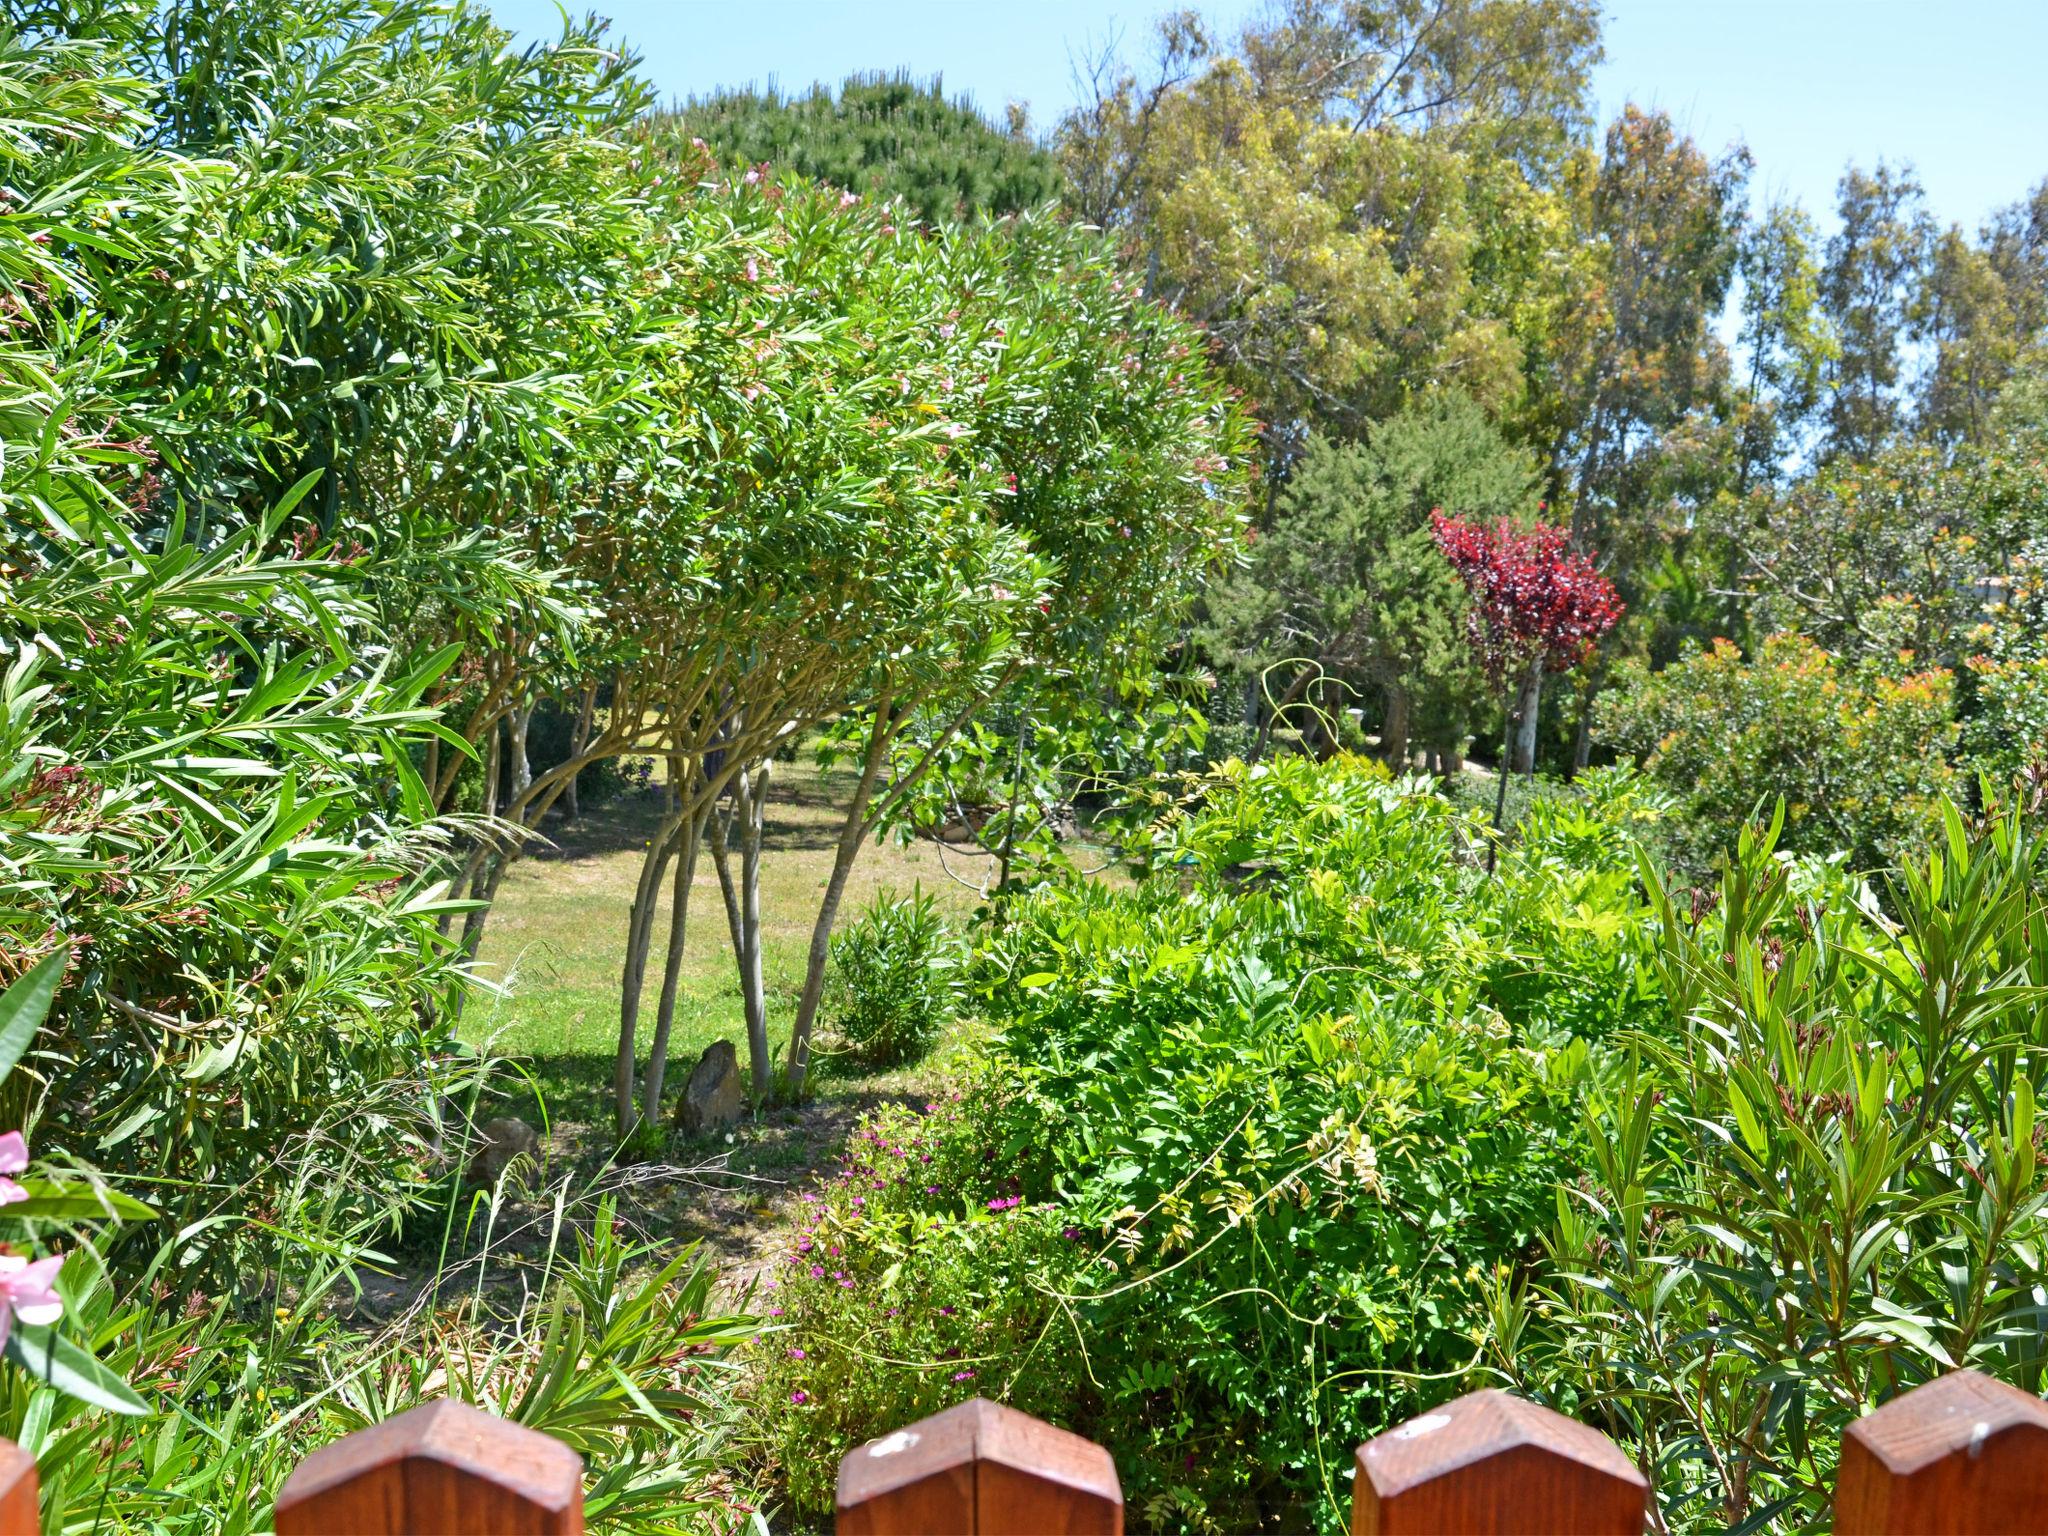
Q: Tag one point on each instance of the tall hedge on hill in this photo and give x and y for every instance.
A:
(887, 136)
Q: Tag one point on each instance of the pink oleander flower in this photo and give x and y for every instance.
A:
(25, 1291)
(13, 1158)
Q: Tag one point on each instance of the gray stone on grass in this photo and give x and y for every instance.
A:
(500, 1144)
(715, 1095)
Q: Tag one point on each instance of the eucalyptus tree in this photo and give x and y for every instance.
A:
(1634, 383)
(1786, 341)
(1874, 262)
(1358, 202)
(1981, 309)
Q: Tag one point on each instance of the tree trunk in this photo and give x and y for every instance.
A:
(851, 835)
(751, 985)
(1500, 791)
(472, 878)
(579, 742)
(1528, 705)
(1582, 738)
(517, 727)
(691, 833)
(639, 937)
(494, 762)
(745, 936)
(1394, 730)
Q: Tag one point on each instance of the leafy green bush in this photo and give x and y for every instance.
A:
(1305, 1087)
(1818, 1186)
(1266, 1122)
(895, 979)
(1860, 753)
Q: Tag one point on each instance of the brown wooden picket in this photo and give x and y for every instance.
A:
(1491, 1463)
(983, 1470)
(1961, 1456)
(443, 1469)
(18, 1492)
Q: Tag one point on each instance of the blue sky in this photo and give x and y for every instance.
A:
(1955, 86)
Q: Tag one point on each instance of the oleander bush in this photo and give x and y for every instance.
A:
(1817, 1184)
(895, 980)
(614, 1346)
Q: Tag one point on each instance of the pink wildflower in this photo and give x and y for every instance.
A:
(13, 1158)
(25, 1291)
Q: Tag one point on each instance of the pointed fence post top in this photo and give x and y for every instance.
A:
(1490, 1463)
(444, 1468)
(982, 1469)
(1964, 1453)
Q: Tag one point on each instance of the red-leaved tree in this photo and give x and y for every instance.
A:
(1537, 605)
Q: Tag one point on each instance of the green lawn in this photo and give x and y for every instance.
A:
(557, 935)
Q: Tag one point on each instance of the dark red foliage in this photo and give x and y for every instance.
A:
(1534, 599)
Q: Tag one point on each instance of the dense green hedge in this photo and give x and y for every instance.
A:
(1263, 1128)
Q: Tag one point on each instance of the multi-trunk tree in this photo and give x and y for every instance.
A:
(990, 460)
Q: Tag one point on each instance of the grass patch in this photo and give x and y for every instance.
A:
(556, 941)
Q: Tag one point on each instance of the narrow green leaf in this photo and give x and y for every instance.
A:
(47, 1355)
(25, 1005)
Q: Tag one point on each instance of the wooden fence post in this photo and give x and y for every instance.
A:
(19, 1515)
(443, 1469)
(980, 1469)
(1490, 1464)
(1962, 1454)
